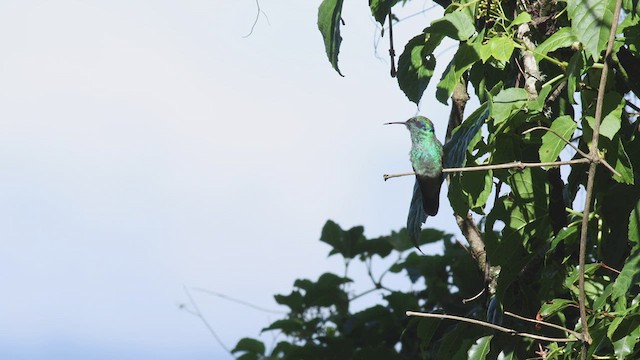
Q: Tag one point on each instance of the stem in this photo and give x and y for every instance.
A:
(512, 165)
(489, 325)
(593, 152)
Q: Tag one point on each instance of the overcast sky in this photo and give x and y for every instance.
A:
(146, 146)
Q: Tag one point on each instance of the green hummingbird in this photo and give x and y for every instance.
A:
(426, 158)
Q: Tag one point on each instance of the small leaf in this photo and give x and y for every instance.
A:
(501, 48)
(457, 25)
(560, 39)
(574, 72)
(634, 225)
(551, 307)
(480, 349)
(329, 19)
(522, 18)
(552, 145)
(249, 345)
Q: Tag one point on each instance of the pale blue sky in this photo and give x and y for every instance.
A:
(146, 145)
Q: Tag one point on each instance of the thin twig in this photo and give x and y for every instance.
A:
(198, 313)
(464, 301)
(574, 333)
(590, 180)
(242, 302)
(489, 325)
(584, 154)
(259, 11)
(512, 165)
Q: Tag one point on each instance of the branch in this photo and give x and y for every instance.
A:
(512, 165)
(574, 333)
(242, 302)
(590, 180)
(196, 312)
(489, 325)
(259, 11)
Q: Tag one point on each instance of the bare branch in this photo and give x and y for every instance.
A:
(196, 312)
(255, 22)
(574, 333)
(590, 180)
(512, 165)
(489, 325)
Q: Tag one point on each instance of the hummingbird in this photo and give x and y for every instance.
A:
(426, 158)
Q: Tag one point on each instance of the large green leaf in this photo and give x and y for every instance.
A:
(380, 9)
(628, 276)
(416, 65)
(464, 58)
(552, 145)
(591, 23)
(507, 102)
(249, 345)
(480, 349)
(634, 224)
(329, 19)
(457, 25)
(612, 112)
(562, 38)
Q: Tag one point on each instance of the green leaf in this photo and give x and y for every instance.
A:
(506, 102)
(624, 346)
(501, 48)
(380, 9)
(346, 243)
(456, 149)
(552, 145)
(288, 326)
(574, 72)
(477, 185)
(634, 225)
(551, 307)
(480, 349)
(249, 345)
(329, 19)
(591, 23)
(566, 234)
(612, 112)
(463, 59)
(560, 39)
(522, 18)
(416, 65)
(628, 276)
(457, 25)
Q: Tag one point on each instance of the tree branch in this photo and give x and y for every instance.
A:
(590, 180)
(574, 333)
(512, 165)
(489, 325)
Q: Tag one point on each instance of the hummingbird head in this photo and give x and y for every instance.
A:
(416, 124)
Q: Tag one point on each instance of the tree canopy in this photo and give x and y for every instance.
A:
(551, 261)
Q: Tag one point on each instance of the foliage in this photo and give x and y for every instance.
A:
(531, 217)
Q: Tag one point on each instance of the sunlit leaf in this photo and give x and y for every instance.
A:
(329, 19)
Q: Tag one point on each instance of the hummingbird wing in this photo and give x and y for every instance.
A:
(416, 217)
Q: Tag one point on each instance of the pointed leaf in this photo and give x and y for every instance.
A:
(464, 58)
(560, 39)
(457, 25)
(574, 72)
(480, 349)
(591, 22)
(508, 101)
(416, 65)
(628, 276)
(329, 19)
(501, 48)
(249, 345)
(380, 9)
(552, 145)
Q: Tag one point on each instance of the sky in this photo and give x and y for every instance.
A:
(149, 146)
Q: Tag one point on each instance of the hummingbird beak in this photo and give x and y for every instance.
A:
(396, 122)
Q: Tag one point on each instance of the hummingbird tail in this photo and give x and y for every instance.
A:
(430, 188)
